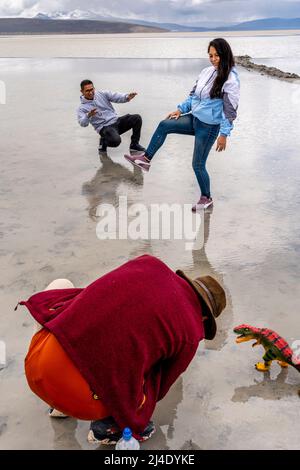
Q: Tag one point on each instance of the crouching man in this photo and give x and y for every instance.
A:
(96, 108)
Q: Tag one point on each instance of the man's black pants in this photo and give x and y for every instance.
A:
(110, 135)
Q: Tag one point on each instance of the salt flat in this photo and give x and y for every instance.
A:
(52, 184)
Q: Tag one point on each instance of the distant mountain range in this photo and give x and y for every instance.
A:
(88, 22)
(262, 24)
(89, 15)
(14, 26)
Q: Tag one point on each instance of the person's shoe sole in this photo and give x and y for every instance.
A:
(53, 413)
(196, 209)
(136, 152)
(135, 164)
(145, 438)
(105, 442)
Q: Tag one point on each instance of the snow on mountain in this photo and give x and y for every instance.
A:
(42, 16)
(73, 15)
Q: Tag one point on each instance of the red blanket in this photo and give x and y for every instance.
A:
(132, 331)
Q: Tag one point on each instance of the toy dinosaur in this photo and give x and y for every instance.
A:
(275, 347)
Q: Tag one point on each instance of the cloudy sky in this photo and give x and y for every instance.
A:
(179, 11)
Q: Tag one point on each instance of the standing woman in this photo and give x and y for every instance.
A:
(208, 112)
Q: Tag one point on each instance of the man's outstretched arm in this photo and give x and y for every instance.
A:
(82, 118)
(116, 97)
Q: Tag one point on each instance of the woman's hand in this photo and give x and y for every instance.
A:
(174, 115)
(221, 143)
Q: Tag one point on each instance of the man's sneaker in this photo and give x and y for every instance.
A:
(203, 203)
(147, 433)
(53, 413)
(139, 160)
(136, 148)
(107, 432)
(104, 431)
(102, 146)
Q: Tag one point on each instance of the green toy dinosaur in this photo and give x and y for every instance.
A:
(275, 347)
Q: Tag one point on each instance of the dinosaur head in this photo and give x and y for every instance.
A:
(245, 332)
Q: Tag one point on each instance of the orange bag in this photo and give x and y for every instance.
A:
(54, 378)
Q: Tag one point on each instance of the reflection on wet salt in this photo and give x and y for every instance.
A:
(201, 266)
(165, 418)
(267, 388)
(103, 187)
(64, 434)
(3, 424)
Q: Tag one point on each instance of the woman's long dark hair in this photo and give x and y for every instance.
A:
(226, 63)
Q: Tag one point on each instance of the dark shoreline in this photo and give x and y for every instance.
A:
(246, 61)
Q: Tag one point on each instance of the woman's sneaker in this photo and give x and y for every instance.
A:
(139, 160)
(203, 203)
(106, 432)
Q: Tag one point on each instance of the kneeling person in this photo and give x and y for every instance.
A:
(110, 351)
(96, 108)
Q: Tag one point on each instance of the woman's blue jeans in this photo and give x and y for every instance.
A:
(205, 136)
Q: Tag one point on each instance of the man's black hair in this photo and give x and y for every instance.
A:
(85, 82)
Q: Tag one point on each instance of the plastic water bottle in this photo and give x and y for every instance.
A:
(127, 441)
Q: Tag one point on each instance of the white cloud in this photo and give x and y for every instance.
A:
(15, 7)
(29, 7)
(180, 11)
